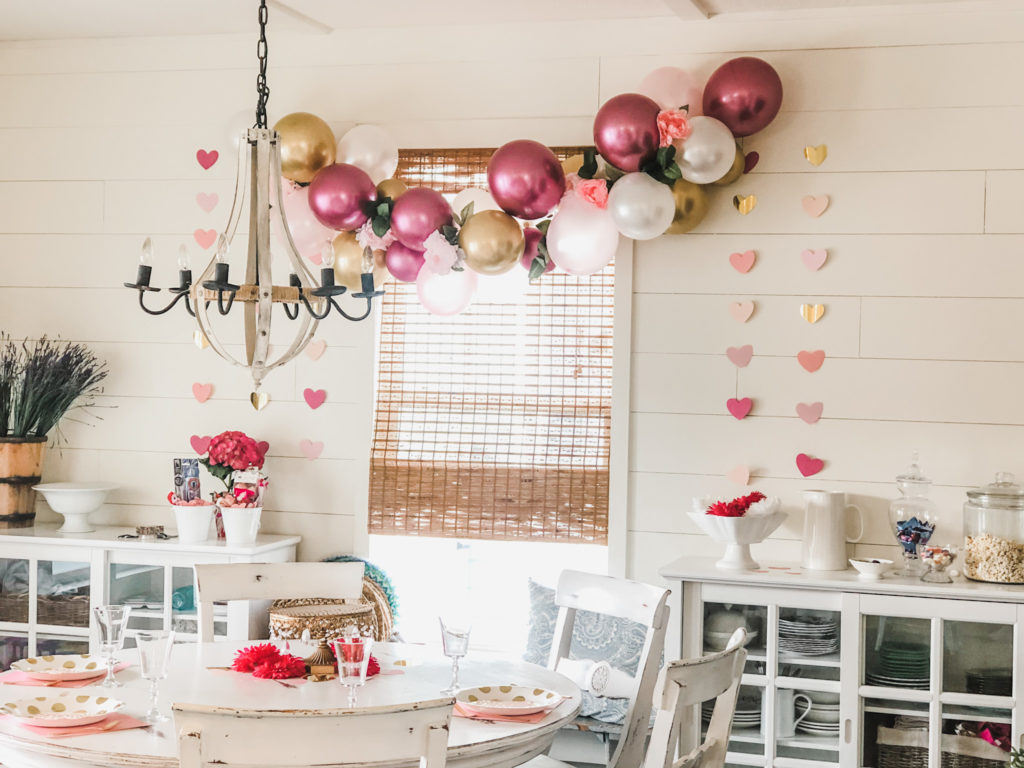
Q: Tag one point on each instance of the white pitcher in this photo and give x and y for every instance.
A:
(786, 719)
(825, 537)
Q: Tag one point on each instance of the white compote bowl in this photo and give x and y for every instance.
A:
(75, 501)
(738, 533)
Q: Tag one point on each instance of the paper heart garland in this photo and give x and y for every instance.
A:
(259, 400)
(814, 259)
(207, 159)
(200, 444)
(809, 412)
(812, 313)
(816, 155)
(314, 397)
(202, 392)
(811, 360)
(743, 262)
(315, 349)
(316, 258)
(815, 205)
(263, 446)
(199, 339)
(207, 200)
(740, 356)
(808, 465)
(739, 408)
(745, 203)
(205, 237)
(750, 160)
(741, 310)
(739, 474)
(311, 449)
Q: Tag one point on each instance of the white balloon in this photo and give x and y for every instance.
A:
(447, 294)
(641, 207)
(708, 153)
(370, 148)
(582, 238)
(480, 198)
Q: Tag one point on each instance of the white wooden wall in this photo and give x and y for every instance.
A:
(921, 112)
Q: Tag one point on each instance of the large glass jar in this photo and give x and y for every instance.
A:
(994, 532)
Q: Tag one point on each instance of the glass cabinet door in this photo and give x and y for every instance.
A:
(142, 587)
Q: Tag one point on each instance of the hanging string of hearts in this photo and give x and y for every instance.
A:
(655, 153)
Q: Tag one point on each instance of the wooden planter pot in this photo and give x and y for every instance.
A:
(21, 462)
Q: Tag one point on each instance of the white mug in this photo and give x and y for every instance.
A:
(786, 720)
(825, 537)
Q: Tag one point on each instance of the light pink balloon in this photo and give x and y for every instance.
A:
(582, 238)
(673, 88)
(416, 214)
(339, 195)
(532, 235)
(308, 234)
(403, 262)
(446, 294)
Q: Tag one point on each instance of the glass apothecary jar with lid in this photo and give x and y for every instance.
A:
(913, 516)
(994, 532)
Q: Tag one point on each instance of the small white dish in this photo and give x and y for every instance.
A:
(59, 668)
(506, 700)
(61, 710)
(872, 568)
(75, 501)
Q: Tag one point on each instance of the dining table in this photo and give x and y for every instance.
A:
(198, 673)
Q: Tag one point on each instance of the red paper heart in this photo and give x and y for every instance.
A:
(742, 262)
(750, 160)
(739, 408)
(809, 412)
(808, 465)
(263, 446)
(200, 444)
(207, 159)
(202, 392)
(314, 397)
(811, 360)
(740, 356)
(311, 449)
(205, 237)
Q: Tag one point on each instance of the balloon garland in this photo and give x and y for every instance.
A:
(654, 154)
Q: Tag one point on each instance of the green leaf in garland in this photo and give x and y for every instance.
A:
(537, 267)
(381, 225)
(543, 227)
(589, 168)
(450, 233)
(665, 156)
(467, 212)
(684, 108)
(672, 173)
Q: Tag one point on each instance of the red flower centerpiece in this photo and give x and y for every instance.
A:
(237, 460)
(738, 523)
(264, 660)
(230, 452)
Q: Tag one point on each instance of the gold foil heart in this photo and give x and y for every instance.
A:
(200, 340)
(259, 400)
(745, 203)
(812, 313)
(816, 155)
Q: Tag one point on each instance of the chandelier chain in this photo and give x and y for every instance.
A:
(262, 89)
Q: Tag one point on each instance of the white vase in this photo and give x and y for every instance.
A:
(193, 523)
(241, 524)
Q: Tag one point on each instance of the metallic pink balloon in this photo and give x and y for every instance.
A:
(416, 214)
(626, 130)
(745, 94)
(339, 196)
(403, 263)
(525, 179)
(533, 236)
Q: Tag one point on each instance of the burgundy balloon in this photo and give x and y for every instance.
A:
(525, 179)
(745, 94)
(626, 130)
(403, 263)
(416, 214)
(339, 195)
(533, 236)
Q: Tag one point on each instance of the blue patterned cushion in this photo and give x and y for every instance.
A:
(595, 637)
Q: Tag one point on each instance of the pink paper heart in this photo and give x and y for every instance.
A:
(811, 360)
(742, 262)
(311, 449)
(316, 258)
(741, 310)
(739, 408)
(207, 200)
(202, 392)
(314, 397)
(200, 444)
(815, 205)
(814, 260)
(740, 356)
(315, 349)
(739, 474)
(205, 237)
(809, 412)
(263, 446)
(207, 159)
(808, 465)
(750, 160)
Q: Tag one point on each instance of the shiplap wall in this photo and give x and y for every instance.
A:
(921, 112)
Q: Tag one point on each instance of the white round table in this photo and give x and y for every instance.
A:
(471, 744)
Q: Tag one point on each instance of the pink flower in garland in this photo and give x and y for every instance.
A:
(673, 125)
(594, 191)
(439, 255)
(367, 238)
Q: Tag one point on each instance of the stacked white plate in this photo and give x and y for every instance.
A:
(748, 712)
(823, 719)
(809, 635)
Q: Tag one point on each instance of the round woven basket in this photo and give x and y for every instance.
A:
(326, 620)
(374, 600)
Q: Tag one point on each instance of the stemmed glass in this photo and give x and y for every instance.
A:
(455, 641)
(154, 654)
(112, 621)
(353, 654)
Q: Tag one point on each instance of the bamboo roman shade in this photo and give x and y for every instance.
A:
(494, 424)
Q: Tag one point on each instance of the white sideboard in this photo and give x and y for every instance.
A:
(49, 583)
(913, 661)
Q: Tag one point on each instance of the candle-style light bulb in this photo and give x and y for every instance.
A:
(184, 262)
(222, 250)
(367, 260)
(146, 256)
(327, 256)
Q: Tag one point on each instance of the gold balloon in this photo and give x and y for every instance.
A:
(735, 172)
(307, 145)
(391, 188)
(348, 263)
(572, 164)
(492, 241)
(691, 206)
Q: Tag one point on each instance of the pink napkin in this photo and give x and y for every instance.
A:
(16, 677)
(121, 722)
(536, 717)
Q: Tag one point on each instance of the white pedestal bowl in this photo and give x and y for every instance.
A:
(738, 533)
(75, 501)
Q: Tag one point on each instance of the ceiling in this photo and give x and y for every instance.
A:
(62, 19)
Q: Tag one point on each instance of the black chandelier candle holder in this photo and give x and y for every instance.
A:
(145, 273)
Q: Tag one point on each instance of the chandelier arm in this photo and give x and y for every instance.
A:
(347, 316)
(291, 310)
(148, 311)
(312, 312)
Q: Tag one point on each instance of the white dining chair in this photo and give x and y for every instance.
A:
(624, 599)
(270, 581)
(225, 737)
(687, 684)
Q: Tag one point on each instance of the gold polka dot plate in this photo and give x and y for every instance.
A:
(79, 666)
(506, 700)
(60, 710)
